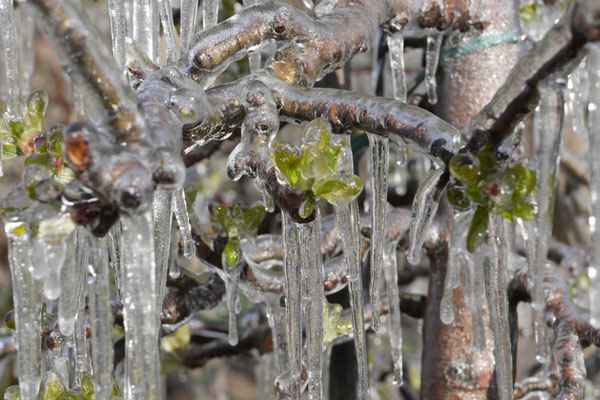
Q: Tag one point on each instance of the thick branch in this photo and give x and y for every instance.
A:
(555, 55)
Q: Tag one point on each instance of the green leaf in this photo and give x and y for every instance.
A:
(253, 217)
(524, 178)
(313, 164)
(87, 387)
(307, 207)
(288, 162)
(465, 167)
(12, 393)
(478, 230)
(232, 252)
(458, 197)
(52, 386)
(342, 188)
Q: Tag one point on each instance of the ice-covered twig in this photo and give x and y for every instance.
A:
(573, 330)
(555, 55)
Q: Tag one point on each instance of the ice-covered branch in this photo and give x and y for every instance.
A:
(554, 56)
(318, 46)
(573, 330)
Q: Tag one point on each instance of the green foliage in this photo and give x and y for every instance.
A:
(332, 326)
(314, 168)
(17, 136)
(484, 181)
(235, 224)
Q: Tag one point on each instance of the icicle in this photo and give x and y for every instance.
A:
(396, 47)
(116, 12)
(424, 207)
(142, 356)
(3, 83)
(432, 56)
(475, 299)
(189, 11)
(277, 319)
(82, 358)
(101, 318)
(166, 17)
(26, 303)
(390, 266)
(253, 56)
(348, 221)
(70, 282)
(174, 270)
(578, 91)
(114, 251)
(495, 290)
(548, 123)
(183, 220)
(232, 282)
(311, 265)
(26, 31)
(293, 278)
(162, 217)
(594, 185)
(210, 13)
(8, 36)
(145, 30)
(379, 148)
(455, 261)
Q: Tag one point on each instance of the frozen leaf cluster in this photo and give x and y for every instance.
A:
(486, 182)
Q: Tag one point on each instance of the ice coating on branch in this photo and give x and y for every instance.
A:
(293, 278)
(311, 265)
(26, 301)
(424, 207)
(432, 56)
(594, 185)
(8, 36)
(456, 260)
(390, 268)
(348, 221)
(138, 291)
(495, 291)
(189, 11)
(71, 280)
(100, 317)
(162, 217)
(211, 13)
(183, 220)
(116, 12)
(145, 31)
(166, 17)
(396, 46)
(548, 124)
(379, 166)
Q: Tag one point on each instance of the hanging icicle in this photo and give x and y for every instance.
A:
(116, 12)
(189, 11)
(145, 19)
(101, 318)
(293, 278)
(424, 207)
(8, 35)
(211, 13)
(432, 56)
(495, 291)
(548, 124)
(138, 291)
(25, 34)
(26, 301)
(183, 220)
(593, 61)
(162, 217)
(379, 166)
(253, 56)
(166, 17)
(311, 265)
(71, 281)
(390, 265)
(348, 221)
(396, 48)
